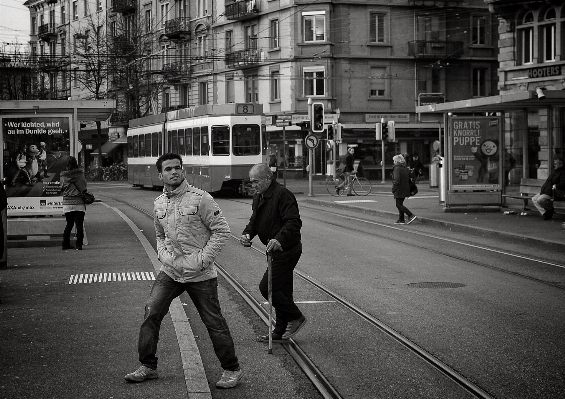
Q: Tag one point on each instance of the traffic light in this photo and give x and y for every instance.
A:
(317, 117)
(330, 132)
(391, 131)
(379, 131)
(385, 131)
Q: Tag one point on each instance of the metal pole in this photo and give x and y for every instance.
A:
(284, 156)
(270, 298)
(383, 155)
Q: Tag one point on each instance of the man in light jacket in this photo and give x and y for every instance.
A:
(191, 230)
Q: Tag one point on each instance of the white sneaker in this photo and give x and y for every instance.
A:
(411, 219)
(229, 379)
(141, 374)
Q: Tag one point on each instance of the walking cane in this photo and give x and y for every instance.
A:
(270, 299)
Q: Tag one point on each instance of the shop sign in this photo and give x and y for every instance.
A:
(544, 72)
(400, 118)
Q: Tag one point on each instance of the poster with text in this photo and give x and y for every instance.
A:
(475, 144)
(36, 149)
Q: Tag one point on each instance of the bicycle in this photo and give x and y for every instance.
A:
(338, 187)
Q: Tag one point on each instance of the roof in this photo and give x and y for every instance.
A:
(523, 100)
(87, 110)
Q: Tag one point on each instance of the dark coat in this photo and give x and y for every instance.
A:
(275, 215)
(557, 177)
(73, 183)
(349, 163)
(400, 181)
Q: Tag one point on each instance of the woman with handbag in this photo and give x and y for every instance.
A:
(73, 183)
(401, 188)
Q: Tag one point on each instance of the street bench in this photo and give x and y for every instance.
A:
(531, 187)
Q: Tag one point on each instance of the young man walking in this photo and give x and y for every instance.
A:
(191, 230)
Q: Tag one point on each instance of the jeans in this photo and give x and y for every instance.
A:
(402, 209)
(542, 202)
(74, 218)
(204, 295)
(282, 266)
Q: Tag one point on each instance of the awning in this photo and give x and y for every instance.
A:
(106, 148)
(523, 100)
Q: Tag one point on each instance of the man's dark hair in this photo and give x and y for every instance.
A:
(166, 157)
(72, 163)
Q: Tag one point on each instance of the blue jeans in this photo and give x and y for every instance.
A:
(204, 295)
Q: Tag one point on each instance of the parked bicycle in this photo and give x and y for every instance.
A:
(339, 186)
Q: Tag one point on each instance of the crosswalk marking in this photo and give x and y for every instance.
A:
(108, 277)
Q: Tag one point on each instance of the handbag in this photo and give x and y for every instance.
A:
(87, 197)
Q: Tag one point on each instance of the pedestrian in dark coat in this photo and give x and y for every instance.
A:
(73, 183)
(556, 181)
(401, 188)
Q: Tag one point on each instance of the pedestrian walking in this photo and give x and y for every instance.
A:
(73, 183)
(556, 181)
(276, 220)
(191, 231)
(401, 188)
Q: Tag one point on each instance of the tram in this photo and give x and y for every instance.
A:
(218, 145)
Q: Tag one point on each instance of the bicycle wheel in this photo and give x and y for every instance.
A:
(332, 187)
(362, 186)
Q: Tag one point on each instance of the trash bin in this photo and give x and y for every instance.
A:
(434, 172)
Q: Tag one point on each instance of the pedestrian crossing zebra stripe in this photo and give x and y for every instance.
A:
(109, 277)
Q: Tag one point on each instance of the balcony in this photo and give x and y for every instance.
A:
(242, 10)
(242, 58)
(176, 71)
(50, 64)
(119, 119)
(124, 6)
(178, 28)
(47, 32)
(434, 49)
(122, 45)
(50, 1)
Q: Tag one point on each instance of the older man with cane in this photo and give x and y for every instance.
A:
(276, 220)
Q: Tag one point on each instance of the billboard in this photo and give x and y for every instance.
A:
(475, 143)
(35, 151)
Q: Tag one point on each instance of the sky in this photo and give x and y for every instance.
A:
(14, 22)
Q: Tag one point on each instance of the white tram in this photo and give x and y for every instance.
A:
(218, 145)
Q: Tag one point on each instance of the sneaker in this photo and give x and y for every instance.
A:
(400, 222)
(337, 190)
(277, 338)
(141, 374)
(229, 379)
(293, 327)
(411, 219)
(548, 214)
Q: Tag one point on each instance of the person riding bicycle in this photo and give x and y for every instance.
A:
(348, 170)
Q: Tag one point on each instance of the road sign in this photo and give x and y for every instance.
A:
(280, 123)
(311, 141)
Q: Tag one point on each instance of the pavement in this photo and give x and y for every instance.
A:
(69, 319)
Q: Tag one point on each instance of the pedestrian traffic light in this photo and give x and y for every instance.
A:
(337, 133)
(385, 131)
(391, 131)
(379, 131)
(330, 132)
(318, 117)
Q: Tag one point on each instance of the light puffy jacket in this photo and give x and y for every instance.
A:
(191, 231)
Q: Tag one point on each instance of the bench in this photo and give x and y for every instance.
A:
(531, 187)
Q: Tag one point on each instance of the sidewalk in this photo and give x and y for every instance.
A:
(488, 221)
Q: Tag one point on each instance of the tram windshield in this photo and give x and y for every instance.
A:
(246, 139)
(220, 140)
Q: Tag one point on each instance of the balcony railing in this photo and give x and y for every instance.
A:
(122, 45)
(176, 71)
(178, 28)
(124, 6)
(50, 1)
(242, 58)
(434, 49)
(120, 119)
(240, 10)
(47, 31)
(63, 94)
(50, 63)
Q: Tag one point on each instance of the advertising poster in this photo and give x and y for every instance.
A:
(475, 143)
(35, 152)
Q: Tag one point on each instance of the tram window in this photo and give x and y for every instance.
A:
(246, 139)
(130, 147)
(204, 141)
(196, 141)
(141, 145)
(220, 140)
(154, 144)
(173, 140)
(136, 146)
(148, 145)
(160, 142)
(188, 141)
(181, 142)
(169, 141)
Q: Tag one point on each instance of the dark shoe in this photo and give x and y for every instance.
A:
(351, 195)
(141, 374)
(548, 214)
(69, 246)
(229, 379)
(400, 222)
(337, 191)
(78, 247)
(411, 219)
(277, 338)
(293, 327)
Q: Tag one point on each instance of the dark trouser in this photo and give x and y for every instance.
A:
(204, 295)
(402, 209)
(283, 264)
(74, 218)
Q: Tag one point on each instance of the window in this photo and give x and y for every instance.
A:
(526, 38)
(188, 141)
(166, 99)
(479, 82)
(63, 46)
(274, 34)
(147, 144)
(547, 31)
(314, 81)
(220, 140)
(378, 82)
(202, 93)
(229, 40)
(479, 30)
(183, 95)
(230, 89)
(196, 141)
(63, 15)
(246, 139)
(377, 28)
(164, 14)
(148, 21)
(99, 5)
(201, 8)
(251, 37)
(154, 144)
(314, 26)
(85, 4)
(201, 39)
(275, 85)
(75, 9)
(251, 89)
(204, 147)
